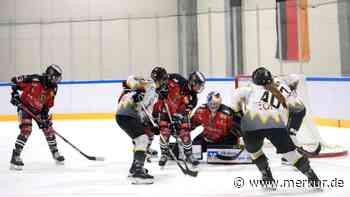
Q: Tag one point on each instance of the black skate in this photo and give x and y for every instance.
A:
(313, 181)
(141, 176)
(132, 170)
(16, 161)
(268, 183)
(192, 160)
(58, 158)
(163, 159)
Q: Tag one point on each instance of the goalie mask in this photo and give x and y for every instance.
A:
(214, 101)
(53, 74)
(196, 81)
(262, 76)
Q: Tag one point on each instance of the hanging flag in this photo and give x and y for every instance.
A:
(292, 24)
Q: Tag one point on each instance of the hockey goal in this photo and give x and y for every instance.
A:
(308, 136)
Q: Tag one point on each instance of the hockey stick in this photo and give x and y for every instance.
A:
(39, 120)
(185, 169)
(308, 153)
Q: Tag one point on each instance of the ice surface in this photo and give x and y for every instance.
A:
(81, 177)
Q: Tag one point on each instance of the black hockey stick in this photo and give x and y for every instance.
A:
(185, 169)
(312, 153)
(39, 120)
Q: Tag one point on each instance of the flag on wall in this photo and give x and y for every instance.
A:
(292, 24)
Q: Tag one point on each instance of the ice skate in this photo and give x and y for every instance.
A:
(59, 159)
(16, 162)
(141, 177)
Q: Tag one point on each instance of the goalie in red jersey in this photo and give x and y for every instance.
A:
(220, 123)
(178, 97)
(37, 94)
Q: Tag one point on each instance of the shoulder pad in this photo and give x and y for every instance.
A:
(203, 106)
(177, 78)
(226, 110)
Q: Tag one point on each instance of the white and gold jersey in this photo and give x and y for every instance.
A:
(136, 85)
(261, 108)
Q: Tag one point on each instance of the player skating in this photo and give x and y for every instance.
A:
(37, 94)
(263, 106)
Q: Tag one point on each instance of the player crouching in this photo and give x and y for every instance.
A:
(220, 135)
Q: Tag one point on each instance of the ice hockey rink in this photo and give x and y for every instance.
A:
(81, 177)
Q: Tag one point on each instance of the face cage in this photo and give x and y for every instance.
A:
(214, 103)
(55, 79)
(200, 86)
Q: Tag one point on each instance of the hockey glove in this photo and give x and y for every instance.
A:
(15, 98)
(163, 92)
(46, 121)
(155, 129)
(178, 119)
(44, 114)
(45, 124)
(138, 96)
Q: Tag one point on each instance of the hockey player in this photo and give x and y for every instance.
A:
(179, 96)
(263, 108)
(220, 123)
(37, 94)
(138, 95)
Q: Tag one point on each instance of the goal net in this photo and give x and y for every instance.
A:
(308, 136)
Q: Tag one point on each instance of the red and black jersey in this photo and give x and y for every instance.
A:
(180, 98)
(216, 125)
(35, 94)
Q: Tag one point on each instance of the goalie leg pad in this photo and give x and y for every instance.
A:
(295, 117)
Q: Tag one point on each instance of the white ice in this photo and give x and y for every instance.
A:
(81, 177)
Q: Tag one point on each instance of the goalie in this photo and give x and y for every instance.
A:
(220, 123)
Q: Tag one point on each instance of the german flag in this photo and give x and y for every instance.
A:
(292, 21)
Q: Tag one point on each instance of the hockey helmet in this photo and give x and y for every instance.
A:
(159, 74)
(53, 74)
(262, 76)
(196, 81)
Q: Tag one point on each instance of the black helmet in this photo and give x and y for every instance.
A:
(262, 76)
(159, 74)
(196, 78)
(53, 73)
